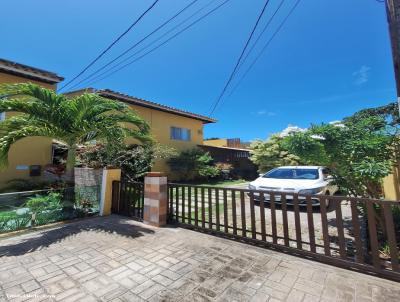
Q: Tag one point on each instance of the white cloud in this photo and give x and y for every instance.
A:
(265, 112)
(361, 76)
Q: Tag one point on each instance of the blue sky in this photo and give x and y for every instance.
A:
(331, 58)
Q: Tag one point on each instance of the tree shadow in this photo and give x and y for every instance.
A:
(113, 224)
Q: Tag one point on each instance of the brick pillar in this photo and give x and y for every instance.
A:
(155, 199)
(109, 175)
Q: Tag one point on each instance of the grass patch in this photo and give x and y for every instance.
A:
(219, 183)
(206, 212)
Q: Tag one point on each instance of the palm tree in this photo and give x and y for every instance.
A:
(71, 120)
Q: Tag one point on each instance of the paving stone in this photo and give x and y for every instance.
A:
(182, 286)
(260, 297)
(206, 292)
(138, 278)
(153, 290)
(162, 280)
(170, 274)
(144, 286)
(199, 276)
(134, 266)
(311, 298)
(71, 270)
(197, 297)
(30, 286)
(295, 296)
(67, 293)
(96, 264)
(273, 292)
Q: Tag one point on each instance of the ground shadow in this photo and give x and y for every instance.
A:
(113, 224)
(302, 208)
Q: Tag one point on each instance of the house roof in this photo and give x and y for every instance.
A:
(29, 72)
(107, 93)
(224, 148)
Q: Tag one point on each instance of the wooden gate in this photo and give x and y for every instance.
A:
(356, 233)
(128, 199)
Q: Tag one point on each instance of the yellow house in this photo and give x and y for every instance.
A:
(28, 156)
(391, 184)
(225, 142)
(179, 129)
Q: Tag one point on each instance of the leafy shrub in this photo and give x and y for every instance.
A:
(20, 221)
(11, 221)
(44, 208)
(225, 169)
(192, 164)
(134, 160)
(360, 151)
(51, 201)
(272, 153)
(49, 217)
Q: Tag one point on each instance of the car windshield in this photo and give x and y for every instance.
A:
(288, 173)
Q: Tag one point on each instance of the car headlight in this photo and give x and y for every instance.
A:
(311, 191)
(251, 187)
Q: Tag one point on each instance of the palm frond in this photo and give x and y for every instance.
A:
(73, 120)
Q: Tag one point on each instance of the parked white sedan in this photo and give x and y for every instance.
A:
(313, 180)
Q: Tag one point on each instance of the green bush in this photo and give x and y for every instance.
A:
(51, 201)
(134, 160)
(49, 216)
(11, 221)
(44, 208)
(193, 164)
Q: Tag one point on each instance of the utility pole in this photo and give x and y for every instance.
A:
(393, 15)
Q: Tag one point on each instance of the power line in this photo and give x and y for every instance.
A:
(266, 45)
(261, 33)
(136, 44)
(163, 43)
(240, 57)
(111, 45)
(94, 80)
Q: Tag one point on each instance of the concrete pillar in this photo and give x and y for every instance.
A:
(109, 175)
(155, 199)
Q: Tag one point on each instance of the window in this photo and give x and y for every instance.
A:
(2, 116)
(288, 173)
(180, 134)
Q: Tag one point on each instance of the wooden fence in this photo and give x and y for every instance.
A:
(128, 199)
(357, 233)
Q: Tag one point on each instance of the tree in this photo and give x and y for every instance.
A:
(73, 121)
(360, 151)
(193, 163)
(271, 153)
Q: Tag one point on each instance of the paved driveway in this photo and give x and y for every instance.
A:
(117, 259)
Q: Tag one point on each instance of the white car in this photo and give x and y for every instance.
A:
(308, 180)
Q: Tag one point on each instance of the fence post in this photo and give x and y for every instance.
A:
(155, 199)
(109, 175)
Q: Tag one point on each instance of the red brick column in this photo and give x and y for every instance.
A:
(155, 199)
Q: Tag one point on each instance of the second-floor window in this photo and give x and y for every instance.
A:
(180, 134)
(2, 116)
